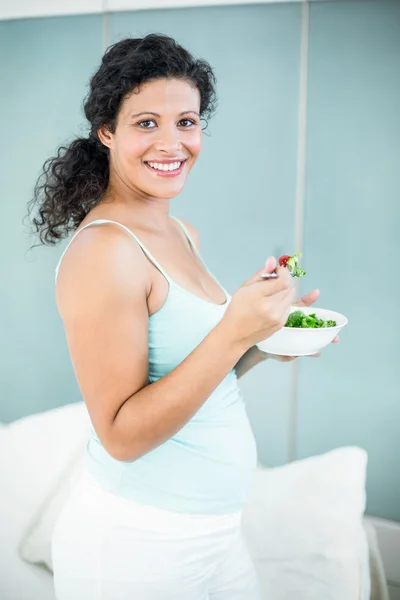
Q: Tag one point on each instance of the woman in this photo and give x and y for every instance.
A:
(156, 344)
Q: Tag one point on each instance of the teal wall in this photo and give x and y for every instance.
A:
(44, 70)
(242, 198)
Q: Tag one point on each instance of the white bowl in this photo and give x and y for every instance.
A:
(298, 341)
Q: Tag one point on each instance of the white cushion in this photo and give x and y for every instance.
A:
(304, 526)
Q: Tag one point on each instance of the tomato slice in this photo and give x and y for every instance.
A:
(283, 260)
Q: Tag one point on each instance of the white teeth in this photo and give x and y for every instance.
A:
(165, 167)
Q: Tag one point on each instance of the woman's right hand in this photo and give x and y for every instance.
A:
(260, 307)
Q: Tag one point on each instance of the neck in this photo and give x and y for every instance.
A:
(148, 212)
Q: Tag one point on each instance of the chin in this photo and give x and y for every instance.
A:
(164, 192)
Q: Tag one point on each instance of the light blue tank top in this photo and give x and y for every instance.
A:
(205, 468)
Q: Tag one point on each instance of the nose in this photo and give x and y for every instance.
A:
(169, 140)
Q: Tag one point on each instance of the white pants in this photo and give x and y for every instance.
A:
(106, 547)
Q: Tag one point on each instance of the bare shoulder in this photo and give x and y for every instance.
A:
(102, 300)
(101, 257)
(194, 234)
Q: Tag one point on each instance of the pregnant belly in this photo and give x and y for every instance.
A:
(206, 467)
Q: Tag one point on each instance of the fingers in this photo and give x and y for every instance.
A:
(308, 299)
(278, 307)
(269, 267)
(284, 296)
(284, 282)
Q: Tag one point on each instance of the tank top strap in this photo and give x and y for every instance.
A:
(146, 252)
(189, 237)
(195, 250)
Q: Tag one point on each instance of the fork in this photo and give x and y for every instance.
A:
(269, 276)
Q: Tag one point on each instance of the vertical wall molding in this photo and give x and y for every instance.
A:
(300, 201)
(105, 25)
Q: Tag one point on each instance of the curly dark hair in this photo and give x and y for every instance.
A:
(73, 182)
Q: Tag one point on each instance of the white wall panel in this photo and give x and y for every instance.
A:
(21, 9)
(117, 5)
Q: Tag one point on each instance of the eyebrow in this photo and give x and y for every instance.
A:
(185, 112)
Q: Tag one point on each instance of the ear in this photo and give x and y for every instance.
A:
(105, 136)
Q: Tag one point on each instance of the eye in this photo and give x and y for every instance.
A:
(186, 123)
(148, 124)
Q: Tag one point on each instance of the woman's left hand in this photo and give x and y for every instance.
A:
(306, 300)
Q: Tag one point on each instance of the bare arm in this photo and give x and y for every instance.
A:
(102, 297)
(250, 359)
(144, 421)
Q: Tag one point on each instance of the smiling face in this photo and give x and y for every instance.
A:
(157, 139)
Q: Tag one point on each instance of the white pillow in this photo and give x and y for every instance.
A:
(35, 546)
(34, 453)
(304, 526)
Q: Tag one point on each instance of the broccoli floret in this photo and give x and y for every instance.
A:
(310, 322)
(292, 262)
(292, 265)
(298, 272)
(295, 319)
(300, 319)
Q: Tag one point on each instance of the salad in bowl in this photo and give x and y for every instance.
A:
(307, 329)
